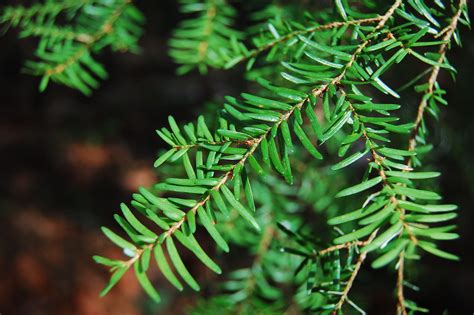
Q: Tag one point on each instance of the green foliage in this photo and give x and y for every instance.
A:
(203, 39)
(70, 33)
(273, 165)
(342, 68)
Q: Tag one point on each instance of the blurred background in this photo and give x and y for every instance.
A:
(67, 161)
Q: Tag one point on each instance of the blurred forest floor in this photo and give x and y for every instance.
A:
(67, 161)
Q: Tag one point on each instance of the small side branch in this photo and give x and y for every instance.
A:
(350, 282)
(255, 52)
(448, 33)
(401, 308)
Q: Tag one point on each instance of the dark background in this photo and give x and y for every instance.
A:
(67, 161)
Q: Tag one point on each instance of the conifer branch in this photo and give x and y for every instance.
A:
(448, 33)
(202, 40)
(353, 276)
(332, 80)
(257, 51)
(70, 33)
(412, 142)
(21, 16)
(336, 66)
(316, 92)
(87, 42)
(227, 176)
(256, 141)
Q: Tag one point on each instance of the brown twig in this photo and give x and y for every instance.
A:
(401, 308)
(341, 246)
(247, 143)
(350, 282)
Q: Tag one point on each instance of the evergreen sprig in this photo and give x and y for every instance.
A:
(342, 74)
(65, 52)
(207, 38)
(322, 107)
